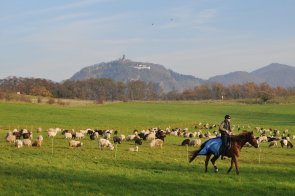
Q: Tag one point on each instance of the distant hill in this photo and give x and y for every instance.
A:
(274, 74)
(126, 70)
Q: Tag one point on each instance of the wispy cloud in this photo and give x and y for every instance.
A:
(43, 11)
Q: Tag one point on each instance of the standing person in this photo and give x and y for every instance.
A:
(225, 131)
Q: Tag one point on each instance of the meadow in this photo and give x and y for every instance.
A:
(56, 169)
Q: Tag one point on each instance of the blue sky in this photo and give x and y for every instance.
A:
(54, 39)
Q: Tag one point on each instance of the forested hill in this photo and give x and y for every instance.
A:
(126, 70)
(274, 74)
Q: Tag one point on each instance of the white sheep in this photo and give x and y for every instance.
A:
(52, 133)
(284, 142)
(133, 149)
(10, 138)
(103, 143)
(156, 142)
(79, 135)
(39, 130)
(18, 143)
(40, 138)
(122, 137)
(151, 136)
(273, 143)
(262, 139)
(74, 143)
(84, 131)
(130, 137)
(37, 143)
(195, 143)
(68, 135)
(107, 135)
(27, 142)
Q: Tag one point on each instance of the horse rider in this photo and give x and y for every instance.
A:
(225, 131)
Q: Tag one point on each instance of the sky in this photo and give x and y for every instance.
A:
(53, 39)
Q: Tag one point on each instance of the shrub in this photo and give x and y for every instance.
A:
(51, 101)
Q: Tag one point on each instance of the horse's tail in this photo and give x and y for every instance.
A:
(196, 153)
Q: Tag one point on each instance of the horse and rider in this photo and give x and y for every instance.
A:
(227, 145)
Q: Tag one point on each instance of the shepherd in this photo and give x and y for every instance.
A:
(212, 146)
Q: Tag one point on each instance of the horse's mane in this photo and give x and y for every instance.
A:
(244, 134)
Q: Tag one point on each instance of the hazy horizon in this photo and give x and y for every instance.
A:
(55, 39)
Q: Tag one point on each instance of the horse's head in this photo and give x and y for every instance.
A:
(252, 140)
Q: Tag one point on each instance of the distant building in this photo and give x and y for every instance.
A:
(142, 67)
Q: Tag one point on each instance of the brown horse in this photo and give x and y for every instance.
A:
(237, 142)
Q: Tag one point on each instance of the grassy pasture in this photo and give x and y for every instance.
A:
(54, 169)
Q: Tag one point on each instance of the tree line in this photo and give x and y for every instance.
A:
(104, 89)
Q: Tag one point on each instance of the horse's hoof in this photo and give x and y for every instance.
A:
(216, 170)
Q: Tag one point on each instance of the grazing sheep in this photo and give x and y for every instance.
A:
(151, 136)
(18, 143)
(262, 139)
(79, 135)
(17, 134)
(40, 137)
(24, 131)
(156, 142)
(28, 135)
(130, 137)
(68, 136)
(10, 137)
(273, 143)
(74, 143)
(137, 140)
(27, 142)
(39, 130)
(195, 143)
(289, 145)
(185, 142)
(133, 149)
(37, 143)
(51, 133)
(84, 131)
(122, 137)
(284, 142)
(107, 135)
(160, 134)
(117, 139)
(94, 135)
(103, 143)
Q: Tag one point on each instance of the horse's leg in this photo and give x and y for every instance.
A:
(213, 163)
(231, 165)
(206, 162)
(236, 165)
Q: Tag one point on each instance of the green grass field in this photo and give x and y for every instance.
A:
(55, 169)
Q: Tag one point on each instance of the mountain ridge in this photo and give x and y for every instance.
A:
(275, 74)
(126, 70)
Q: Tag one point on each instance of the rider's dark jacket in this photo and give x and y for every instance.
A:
(225, 125)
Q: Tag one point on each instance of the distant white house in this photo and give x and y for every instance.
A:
(142, 67)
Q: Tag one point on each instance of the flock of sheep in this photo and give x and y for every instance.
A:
(24, 137)
(155, 136)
